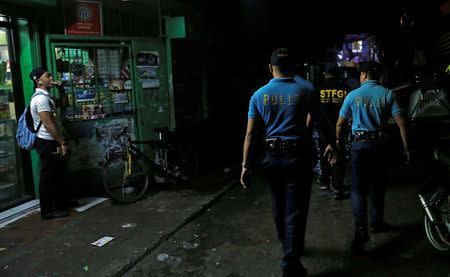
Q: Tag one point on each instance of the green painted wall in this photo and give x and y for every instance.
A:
(28, 56)
(153, 104)
(151, 109)
(176, 27)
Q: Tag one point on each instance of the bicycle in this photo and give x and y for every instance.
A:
(128, 174)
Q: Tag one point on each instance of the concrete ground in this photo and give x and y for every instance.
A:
(215, 228)
(236, 237)
(62, 247)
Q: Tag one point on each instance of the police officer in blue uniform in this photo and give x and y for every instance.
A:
(370, 106)
(279, 109)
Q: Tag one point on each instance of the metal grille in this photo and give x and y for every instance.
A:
(97, 81)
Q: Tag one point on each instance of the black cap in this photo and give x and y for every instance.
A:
(37, 73)
(371, 67)
(281, 57)
(331, 68)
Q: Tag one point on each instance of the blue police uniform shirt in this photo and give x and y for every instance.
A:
(283, 105)
(304, 82)
(370, 106)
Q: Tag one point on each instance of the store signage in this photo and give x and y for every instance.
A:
(84, 18)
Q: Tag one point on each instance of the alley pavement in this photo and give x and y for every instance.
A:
(214, 228)
(62, 247)
(236, 237)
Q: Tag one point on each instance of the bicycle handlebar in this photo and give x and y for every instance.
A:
(125, 131)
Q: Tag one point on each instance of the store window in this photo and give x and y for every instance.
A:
(8, 160)
(97, 81)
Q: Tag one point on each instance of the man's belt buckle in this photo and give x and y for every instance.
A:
(368, 136)
(274, 146)
(273, 143)
(277, 146)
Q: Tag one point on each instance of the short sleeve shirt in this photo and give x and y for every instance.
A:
(304, 82)
(42, 103)
(331, 94)
(282, 105)
(370, 106)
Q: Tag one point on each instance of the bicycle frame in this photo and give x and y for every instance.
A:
(160, 145)
(151, 165)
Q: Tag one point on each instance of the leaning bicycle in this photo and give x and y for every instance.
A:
(128, 174)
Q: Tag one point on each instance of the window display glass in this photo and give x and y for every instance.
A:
(97, 81)
(8, 123)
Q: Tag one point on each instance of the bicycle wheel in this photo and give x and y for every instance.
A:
(433, 236)
(122, 186)
(430, 229)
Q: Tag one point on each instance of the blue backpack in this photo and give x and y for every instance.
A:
(25, 128)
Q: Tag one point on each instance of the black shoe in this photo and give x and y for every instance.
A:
(55, 214)
(361, 237)
(341, 196)
(379, 227)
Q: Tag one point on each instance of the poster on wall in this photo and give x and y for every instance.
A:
(147, 63)
(121, 98)
(83, 18)
(150, 83)
(147, 58)
(95, 141)
(147, 72)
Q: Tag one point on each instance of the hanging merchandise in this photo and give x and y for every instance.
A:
(89, 70)
(125, 72)
(76, 66)
(98, 82)
(62, 66)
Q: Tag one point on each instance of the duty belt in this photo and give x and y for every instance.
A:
(369, 136)
(277, 146)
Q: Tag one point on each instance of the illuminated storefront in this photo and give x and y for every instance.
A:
(15, 167)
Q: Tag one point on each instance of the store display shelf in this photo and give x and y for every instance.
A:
(108, 116)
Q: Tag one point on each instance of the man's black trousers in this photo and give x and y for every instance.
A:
(290, 180)
(52, 181)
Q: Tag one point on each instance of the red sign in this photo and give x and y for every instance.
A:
(84, 18)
